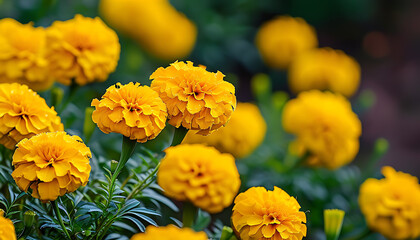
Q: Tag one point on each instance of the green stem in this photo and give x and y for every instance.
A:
(60, 220)
(179, 135)
(189, 214)
(72, 92)
(140, 187)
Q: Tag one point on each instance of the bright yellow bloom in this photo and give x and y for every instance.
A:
(280, 40)
(152, 23)
(325, 127)
(7, 229)
(23, 114)
(324, 69)
(259, 214)
(196, 99)
(240, 137)
(51, 164)
(82, 50)
(169, 232)
(199, 174)
(134, 111)
(22, 55)
(391, 205)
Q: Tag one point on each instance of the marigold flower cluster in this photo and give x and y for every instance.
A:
(134, 111)
(195, 98)
(152, 23)
(199, 174)
(325, 127)
(259, 214)
(51, 164)
(240, 137)
(23, 114)
(169, 232)
(391, 205)
(7, 229)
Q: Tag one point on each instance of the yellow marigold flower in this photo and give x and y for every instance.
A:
(134, 111)
(240, 137)
(23, 114)
(82, 50)
(325, 127)
(199, 174)
(51, 164)
(280, 40)
(7, 229)
(391, 205)
(324, 69)
(196, 99)
(259, 214)
(22, 55)
(152, 23)
(169, 232)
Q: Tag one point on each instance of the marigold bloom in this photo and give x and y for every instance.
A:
(324, 69)
(391, 205)
(169, 232)
(134, 111)
(199, 174)
(7, 229)
(240, 137)
(82, 49)
(259, 214)
(22, 55)
(51, 164)
(23, 114)
(325, 127)
(280, 40)
(195, 98)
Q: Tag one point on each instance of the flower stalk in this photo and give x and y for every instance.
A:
(179, 135)
(189, 214)
(60, 219)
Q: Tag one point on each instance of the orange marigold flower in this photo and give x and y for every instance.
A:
(259, 214)
(391, 205)
(7, 229)
(22, 55)
(196, 99)
(169, 232)
(199, 174)
(51, 164)
(82, 49)
(23, 114)
(134, 111)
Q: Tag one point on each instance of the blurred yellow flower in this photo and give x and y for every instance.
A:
(51, 164)
(82, 50)
(240, 137)
(169, 232)
(152, 23)
(280, 40)
(134, 111)
(324, 69)
(199, 174)
(7, 229)
(195, 98)
(23, 114)
(391, 205)
(22, 55)
(259, 214)
(325, 127)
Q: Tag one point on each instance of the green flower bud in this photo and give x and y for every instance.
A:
(333, 220)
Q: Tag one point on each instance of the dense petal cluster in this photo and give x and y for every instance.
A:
(325, 126)
(51, 164)
(23, 114)
(7, 229)
(280, 40)
(134, 111)
(240, 137)
(196, 99)
(82, 50)
(259, 214)
(169, 232)
(391, 205)
(152, 23)
(22, 55)
(199, 174)
(324, 69)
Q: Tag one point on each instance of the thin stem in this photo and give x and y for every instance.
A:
(179, 135)
(144, 182)
(60, 220)
(189, 214)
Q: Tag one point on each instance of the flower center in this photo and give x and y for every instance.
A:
(271, 219)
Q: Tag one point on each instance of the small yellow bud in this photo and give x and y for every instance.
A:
(333, 220)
